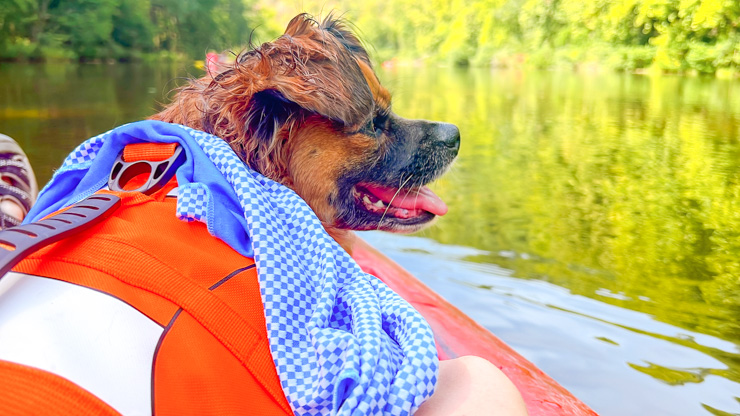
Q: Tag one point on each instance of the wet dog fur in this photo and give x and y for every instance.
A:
(308, 111)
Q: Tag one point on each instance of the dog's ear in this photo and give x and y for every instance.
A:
(316, 67)
(313, 69)
(267, 112)
(265, 120)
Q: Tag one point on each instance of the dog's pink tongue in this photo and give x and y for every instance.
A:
(422, 198)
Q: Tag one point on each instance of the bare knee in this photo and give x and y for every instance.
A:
(471, 385)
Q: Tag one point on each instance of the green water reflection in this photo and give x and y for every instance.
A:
(50, 109)
(621, 188)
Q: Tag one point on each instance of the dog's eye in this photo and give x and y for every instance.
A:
(378, 130)
(372, 129)
(379, 124)
(376, 126)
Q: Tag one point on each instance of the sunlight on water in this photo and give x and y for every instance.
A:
(594, 219)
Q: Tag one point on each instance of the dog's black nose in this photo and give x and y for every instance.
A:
(448, 134)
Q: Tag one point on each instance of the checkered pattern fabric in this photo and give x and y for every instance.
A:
(85, 152)
(192, 202)
(342, 342)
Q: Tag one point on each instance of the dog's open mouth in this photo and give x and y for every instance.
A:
(415, 205)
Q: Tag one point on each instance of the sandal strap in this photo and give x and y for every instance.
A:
(23, 197)
(6, 160)
(7, 221)
(14, 164)
(17, 172)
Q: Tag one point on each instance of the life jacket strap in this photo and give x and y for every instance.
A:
(17, 243)
(145, 167)
(155, 163)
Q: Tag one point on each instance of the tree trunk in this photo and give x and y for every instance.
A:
(41, 18)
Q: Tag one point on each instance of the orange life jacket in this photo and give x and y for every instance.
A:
(174, 324)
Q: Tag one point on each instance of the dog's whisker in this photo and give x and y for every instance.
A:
(388, 206)
(416, 198)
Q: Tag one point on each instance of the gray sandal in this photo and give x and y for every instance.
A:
(17, 181)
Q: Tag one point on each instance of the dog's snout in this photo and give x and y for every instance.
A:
(448, 134)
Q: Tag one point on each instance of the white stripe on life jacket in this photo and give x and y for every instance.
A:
(92, 339)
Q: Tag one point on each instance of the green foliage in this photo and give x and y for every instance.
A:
(666, 35)
(17, 48)
(697, 36)
(132, 27)
(120, 29)
(630, 58)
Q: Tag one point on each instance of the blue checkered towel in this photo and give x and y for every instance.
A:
(342, 342)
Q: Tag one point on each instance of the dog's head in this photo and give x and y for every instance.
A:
(308, 111)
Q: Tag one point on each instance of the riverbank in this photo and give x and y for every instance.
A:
(27, 52)
(624, 60)
(632, 60)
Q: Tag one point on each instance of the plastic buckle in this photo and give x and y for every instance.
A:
(159, 172)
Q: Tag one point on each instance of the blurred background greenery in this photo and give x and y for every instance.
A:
(690, 36)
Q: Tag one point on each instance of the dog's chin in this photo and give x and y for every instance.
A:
(374, 207)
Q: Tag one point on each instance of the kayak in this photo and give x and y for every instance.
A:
(457, 335)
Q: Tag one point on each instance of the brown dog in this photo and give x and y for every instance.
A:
(308, 111)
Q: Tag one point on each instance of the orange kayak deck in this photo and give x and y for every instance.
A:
(457, 334)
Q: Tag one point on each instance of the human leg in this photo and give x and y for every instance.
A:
(471, 386)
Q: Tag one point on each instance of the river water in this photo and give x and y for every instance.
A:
(594, 219)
